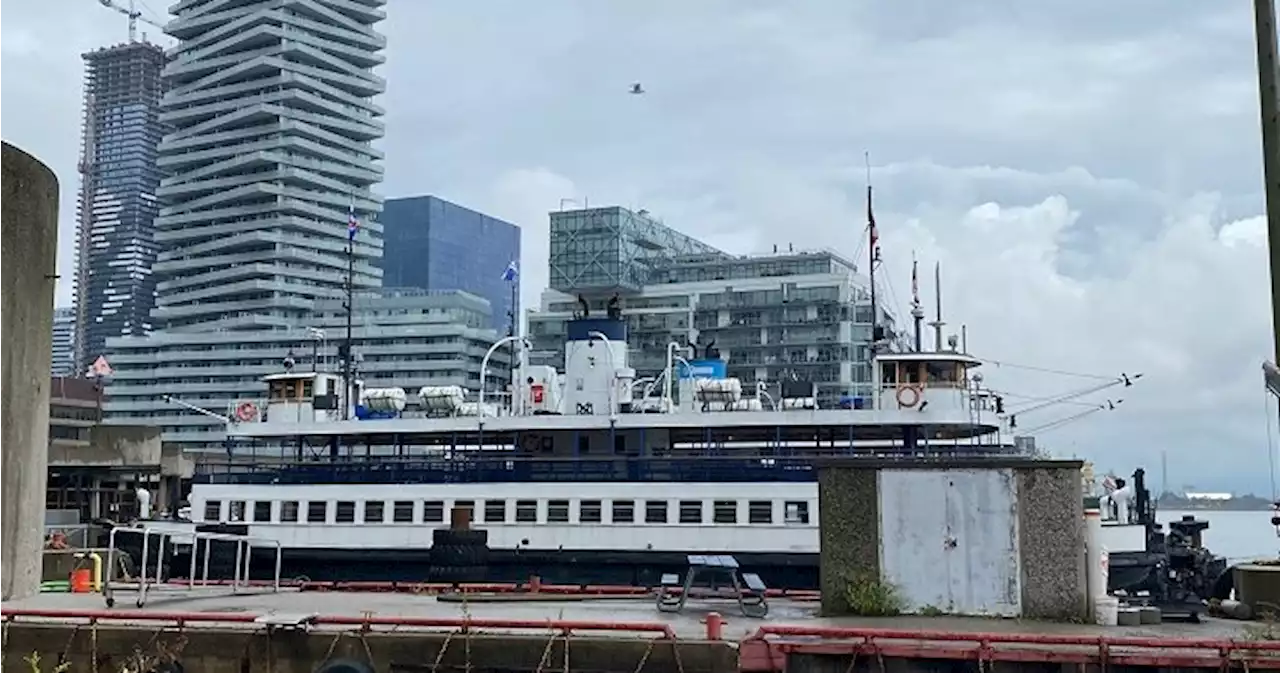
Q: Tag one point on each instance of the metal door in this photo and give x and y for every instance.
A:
(949, 540)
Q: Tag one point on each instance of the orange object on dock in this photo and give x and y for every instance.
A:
(81, 581)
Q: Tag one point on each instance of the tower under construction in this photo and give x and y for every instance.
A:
(115, 236)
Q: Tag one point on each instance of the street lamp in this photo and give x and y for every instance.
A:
(484, 368)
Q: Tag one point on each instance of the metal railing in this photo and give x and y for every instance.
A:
(154, 554)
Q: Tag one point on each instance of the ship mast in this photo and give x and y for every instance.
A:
(873, 258)
(917, 313)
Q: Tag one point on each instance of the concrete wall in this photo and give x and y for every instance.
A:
(113, 446)
(1049, 521)
(850, 532)
(1051, 528)
(29, 201)
(214, 650)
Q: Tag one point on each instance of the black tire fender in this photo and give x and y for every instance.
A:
(344, 666)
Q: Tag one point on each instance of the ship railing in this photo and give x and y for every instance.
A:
(155, 552)
(514, 469)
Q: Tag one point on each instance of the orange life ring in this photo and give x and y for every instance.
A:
(246, 411)
(915, 396)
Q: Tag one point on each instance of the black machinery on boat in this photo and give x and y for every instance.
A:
(1175, 572)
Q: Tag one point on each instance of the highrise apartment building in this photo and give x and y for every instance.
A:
(433, 243)
(269, 162)
(115, 236)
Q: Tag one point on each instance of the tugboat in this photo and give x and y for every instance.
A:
(1173, 571)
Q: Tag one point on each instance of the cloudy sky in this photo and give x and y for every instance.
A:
(1088, 172)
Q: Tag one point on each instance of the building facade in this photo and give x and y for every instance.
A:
(402, 337)
(115, 233)
(269, 156)
(778, 317)
(431, 243)
(63, 361)
(600, 251)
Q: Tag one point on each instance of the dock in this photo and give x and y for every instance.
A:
(562, 629)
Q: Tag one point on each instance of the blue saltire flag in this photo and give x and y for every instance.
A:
(511, 273)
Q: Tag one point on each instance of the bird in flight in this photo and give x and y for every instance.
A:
(637, 89)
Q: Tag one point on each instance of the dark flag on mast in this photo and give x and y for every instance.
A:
(871, 223)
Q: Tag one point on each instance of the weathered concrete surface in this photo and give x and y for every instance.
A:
(29, 202)
(230, 650)
(113, 446)
(849, 532)
(1050, 528)
(1051, 539)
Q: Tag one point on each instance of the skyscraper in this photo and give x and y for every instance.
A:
(269, 158)
(269, 170)
(437, 245)
(115, 242)
(64, 342)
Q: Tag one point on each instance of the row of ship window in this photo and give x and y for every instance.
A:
(498, 511)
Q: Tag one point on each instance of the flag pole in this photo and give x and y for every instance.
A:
(347, 362)
(512, 276)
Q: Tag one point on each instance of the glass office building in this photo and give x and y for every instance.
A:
(795, 315)
(437, 245)
(63, 360)
(603, 250)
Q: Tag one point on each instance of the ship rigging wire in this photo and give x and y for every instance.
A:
(1271, 449)
(1045, 370)
(1067, 397)
(1054, 425)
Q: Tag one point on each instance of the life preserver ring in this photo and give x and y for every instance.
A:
(903, 397)
(246, 411)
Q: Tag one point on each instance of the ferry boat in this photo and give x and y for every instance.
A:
(585, 476)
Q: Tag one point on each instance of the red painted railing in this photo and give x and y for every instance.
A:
(495, 588)
(371, 621)
(768, 648)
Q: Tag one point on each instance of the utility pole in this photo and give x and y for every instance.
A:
(1269, 95)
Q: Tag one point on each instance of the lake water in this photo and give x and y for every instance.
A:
(1234, 535)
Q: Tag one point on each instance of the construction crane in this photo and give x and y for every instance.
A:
(134, 17)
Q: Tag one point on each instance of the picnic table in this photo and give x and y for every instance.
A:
(750, 598)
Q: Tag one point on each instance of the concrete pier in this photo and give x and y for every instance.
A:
(30, 247)
(298, 631)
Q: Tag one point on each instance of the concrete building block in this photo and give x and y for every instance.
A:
(29, 201)
(850, 533)
(1051, 532)
(1150, 615)
(1129, 617)
(1046, 497)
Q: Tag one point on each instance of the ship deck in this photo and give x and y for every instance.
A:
(761, 426)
